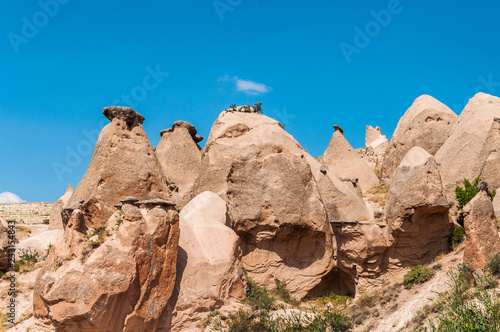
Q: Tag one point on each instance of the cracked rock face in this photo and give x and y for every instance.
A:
(427, 124)
(123, 164)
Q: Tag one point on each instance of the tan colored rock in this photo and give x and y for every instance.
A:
(4, 244)
(180, 157)
(427, 124)
(490, 169)
(462, 156)
(122, 285)
(343, 161)
(56, 221)
(417, 211)
(376, 145)
(273, 200)
(123, 164)
(210, 274)
(40, 242)
(496, 204)
(481, 230)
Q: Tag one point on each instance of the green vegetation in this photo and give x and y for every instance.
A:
(418, 275)
(258, 297)
(27, 260)
(494, 265)
(466, 194)
(91, 245)
(258, 107)
(458, 236)
(284, 294)
(282, 125)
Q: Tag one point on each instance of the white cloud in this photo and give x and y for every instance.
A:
(8, 197)
(246, 86)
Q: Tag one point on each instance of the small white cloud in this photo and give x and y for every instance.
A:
(246, 86)
(8, 197)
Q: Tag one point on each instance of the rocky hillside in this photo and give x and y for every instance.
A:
(252, 233)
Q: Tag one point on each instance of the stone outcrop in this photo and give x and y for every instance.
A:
(375, 146)
(427, 124)
(116, 282)
(209, 271)
(4, 243)
(481, 229)
(463, 155)
(124, 163)
(180, 157)
(40, 242)
(490, 155)
(417, 211)
(274, 201)
(343, 161)
(56, 221)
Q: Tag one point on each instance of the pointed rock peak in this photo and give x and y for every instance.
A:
(374, 135)
(415, 157)
(337, 128)
(126, 114)
(70, 188)
(188, 126)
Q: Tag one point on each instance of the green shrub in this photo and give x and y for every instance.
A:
(494, 264)
(465, 195)
(282, 125)
(27, 260)
(258, 107)
(418, 275)
(458, 236)
(258, 296)
(284, 294)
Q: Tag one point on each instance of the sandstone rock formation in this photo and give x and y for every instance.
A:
(375, 146)
(123, 284)
(490, 154)
(417, 211)
(274, 202)
(55, 221)
(463, 155)
(124, 163)
(481, 229)
(209, 271)
(343, 161)
(427, 123)
(4, 243)
(180, 157)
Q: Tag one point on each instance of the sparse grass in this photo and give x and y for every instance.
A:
(284, 294)
(23, 229)
(4, 321)
(258, 297)
(27, 260)
(378, 214)
(377, 194)
(494, 264)
(418, 275)
(25, 316)
(91, 245)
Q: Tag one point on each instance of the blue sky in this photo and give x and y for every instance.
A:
(313, 64)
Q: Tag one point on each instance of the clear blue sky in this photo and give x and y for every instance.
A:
(60, 66)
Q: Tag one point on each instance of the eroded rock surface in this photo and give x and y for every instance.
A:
(376, 145)
(55, 221)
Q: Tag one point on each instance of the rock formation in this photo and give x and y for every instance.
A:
(55, 221)
(343, 161)
(490, 155)
(417, 211)
(463, 154)
(481, 230)
(117, 283)
(427, 123)
(274, 202)
(180, 157)
(4, 243)
(209, 271)
(124, 163)
(375, 146)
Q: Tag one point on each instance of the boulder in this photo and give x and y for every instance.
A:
(274, 203)
(375, 146)
(463, 154)
(123, 164)
(427, 123)
(180, 158)
(122, 282)
(343, 161)
(490, 155)
(40, 242)
(417, 211)
(55, 220)
(481, 230)
(209, 271)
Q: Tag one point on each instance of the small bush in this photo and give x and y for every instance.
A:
(27, 260)
(284, 294)
(258, 296)
(417, 275)
(258, 107)
(494, 264)
(458, 236)
(377, 214)
(466, 194)
(282, 125)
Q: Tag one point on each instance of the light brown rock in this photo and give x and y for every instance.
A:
(123, 164)
(180, 157)
(417, 211)
(343, 161)
(376, 145)
(4, 243)
(481, 230)
(273, 200)
(210, 273)
(462, 156)
(123, 285)
(427, 123)
(490, 155)
(56, 221)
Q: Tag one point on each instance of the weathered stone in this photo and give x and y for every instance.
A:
(129, 200)
(56, 218)
(127, 114)
(427, 124)
(376, 145)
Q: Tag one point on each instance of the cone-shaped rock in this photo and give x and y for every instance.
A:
(274, 202)
(417, 210)
(427, 123)
(123, 164)
(376, 145)
(56, 221)
(180, 157)
(466, 151)
(343, 161)
(481, 230)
